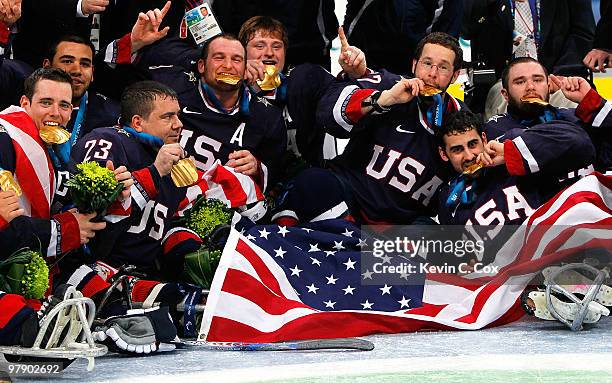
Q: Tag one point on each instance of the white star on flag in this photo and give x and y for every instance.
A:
(350, 264)
(295, 271)
(367, 304)
(314, 248)
(338, 245)
(362, 243)
(282, 230)
(367, 274)
(250, 237)
(385, 289)
(315, 261)
(263, 233)
(404, 302)
(329, 252)
(331, 280)
(279, 252)
(330, 304)
(348, 290)
(312, 288)
(347, 233)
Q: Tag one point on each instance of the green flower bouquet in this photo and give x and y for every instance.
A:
(93, 188)
(208, 218)
(25, 273)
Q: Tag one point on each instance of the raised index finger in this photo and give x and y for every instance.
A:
(343, 40)
(165, 9)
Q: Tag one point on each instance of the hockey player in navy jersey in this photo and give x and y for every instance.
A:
(222, 119)
(298, 89)
(23, 154)
(390, 170)
(524, 80)
(74, 55)
(506, 190)
(147, 144)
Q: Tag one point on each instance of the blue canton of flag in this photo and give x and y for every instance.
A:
(322, 262)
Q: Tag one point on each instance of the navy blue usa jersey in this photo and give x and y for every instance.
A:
(155, 199)
(592, 114)
(535, 158)
(391, 162)
(210, 134)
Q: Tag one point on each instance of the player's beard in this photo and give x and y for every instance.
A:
(524, 111)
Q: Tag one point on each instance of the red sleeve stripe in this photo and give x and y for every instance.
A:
(339, 109)
(5, 33)
(69, 234)
(12, 305)
(353, 108)
(124, 50)
(176, 236)
(526, 154)
(118, 211)
(514, 161)
(94, 285)
(143, 186)
(589, 105)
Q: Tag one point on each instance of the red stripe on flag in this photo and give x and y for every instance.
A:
(321, 325)
(244, 285)
(232, 188)
(267, 278)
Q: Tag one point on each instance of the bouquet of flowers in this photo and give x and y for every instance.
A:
(26, 273)
(93, 188)
(206, 215)
(209, 218)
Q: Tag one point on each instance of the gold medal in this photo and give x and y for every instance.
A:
(7, 182)
(53, 133)
(228, 78)
(271, 80)
(534, 100)
(429, 91)
(184, 173)
(473, 168)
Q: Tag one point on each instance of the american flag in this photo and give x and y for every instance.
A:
(277, 283)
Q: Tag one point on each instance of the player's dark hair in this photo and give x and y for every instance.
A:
(458, 123)
(71, 39)
(516, 61)
(227, 36)
(266, 25)
(445, 40)
(53, 74)
(138, 99)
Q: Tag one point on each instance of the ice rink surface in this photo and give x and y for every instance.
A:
(526, 351)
